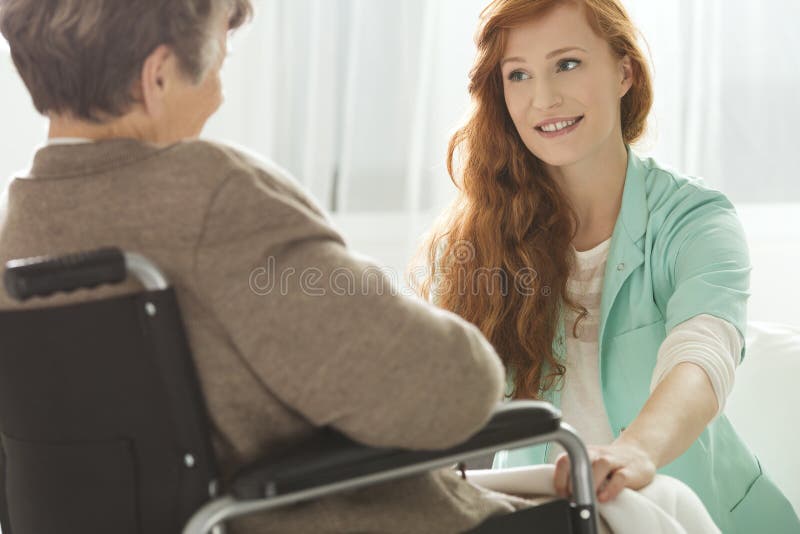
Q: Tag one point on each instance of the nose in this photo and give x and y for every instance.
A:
(545, 95)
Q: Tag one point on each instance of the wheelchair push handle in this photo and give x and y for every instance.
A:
(42, 276)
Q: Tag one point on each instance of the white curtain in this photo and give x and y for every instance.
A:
(727, 77)
(355, 97)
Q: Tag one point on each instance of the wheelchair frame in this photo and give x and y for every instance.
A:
(329, 464)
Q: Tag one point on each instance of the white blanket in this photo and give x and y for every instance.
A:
(666, 506)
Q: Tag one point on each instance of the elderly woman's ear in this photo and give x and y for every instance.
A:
(157, 72)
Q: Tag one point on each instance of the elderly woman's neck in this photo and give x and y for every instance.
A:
(125, 127)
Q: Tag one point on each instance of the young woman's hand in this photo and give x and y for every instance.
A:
(614, 467)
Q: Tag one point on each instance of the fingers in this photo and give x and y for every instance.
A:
(619, 480)
(601, 468)
(562, 476)
(614, 468)
(610, 477)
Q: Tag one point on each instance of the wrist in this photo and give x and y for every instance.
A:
(630, 439)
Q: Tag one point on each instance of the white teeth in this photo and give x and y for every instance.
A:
(554, 127)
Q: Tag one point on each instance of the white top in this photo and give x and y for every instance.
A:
(68, 141)
(707, 341)
(582, 399)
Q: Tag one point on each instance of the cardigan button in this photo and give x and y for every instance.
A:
(621, 266)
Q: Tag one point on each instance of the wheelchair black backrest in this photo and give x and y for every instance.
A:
(104, 427)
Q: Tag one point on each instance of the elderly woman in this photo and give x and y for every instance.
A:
(122, 166)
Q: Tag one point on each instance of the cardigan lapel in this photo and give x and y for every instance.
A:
(626, 250)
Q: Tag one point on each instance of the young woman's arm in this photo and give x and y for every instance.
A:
(694, 374)
(712, 343)
(698, 354)
(674, 416)
(707, 263)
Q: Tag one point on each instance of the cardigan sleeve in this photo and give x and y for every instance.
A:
(708, 262)
(711, 343)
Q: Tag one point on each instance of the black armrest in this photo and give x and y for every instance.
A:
(332, 457)
(43, 276)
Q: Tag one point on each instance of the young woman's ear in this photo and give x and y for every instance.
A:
(153, 81)
(626, 75)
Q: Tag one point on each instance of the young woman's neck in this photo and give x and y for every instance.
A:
(594, 187)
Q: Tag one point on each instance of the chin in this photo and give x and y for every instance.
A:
(558, 157)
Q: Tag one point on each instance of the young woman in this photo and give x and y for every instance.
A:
(610, 286)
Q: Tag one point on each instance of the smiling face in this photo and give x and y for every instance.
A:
(563, 86)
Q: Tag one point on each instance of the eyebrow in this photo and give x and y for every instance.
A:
(548, 56)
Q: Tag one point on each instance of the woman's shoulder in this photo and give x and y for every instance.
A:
(663, 179)
(224, 159)
(685, 213)
(237, 167)
(673, 195)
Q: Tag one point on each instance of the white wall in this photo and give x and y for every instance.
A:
(773, 233)
(21, 128)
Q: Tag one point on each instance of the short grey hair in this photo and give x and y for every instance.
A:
(82, 57)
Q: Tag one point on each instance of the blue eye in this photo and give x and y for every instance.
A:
(561, 64)
(517, 76)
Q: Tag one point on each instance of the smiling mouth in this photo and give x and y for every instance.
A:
(559, 126)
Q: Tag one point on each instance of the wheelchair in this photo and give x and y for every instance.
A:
(105, 429)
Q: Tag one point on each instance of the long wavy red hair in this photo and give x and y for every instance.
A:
(500, 255)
